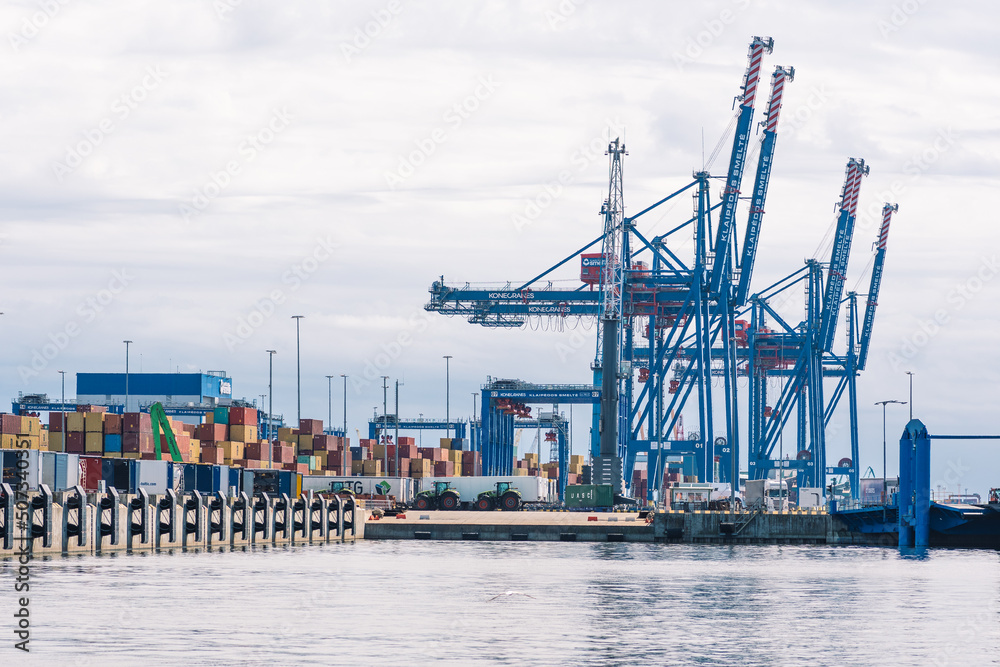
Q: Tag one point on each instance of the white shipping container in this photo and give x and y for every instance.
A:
(151, 476)
(533, 489)
(26, 461)
(403, 488)
(60, 471)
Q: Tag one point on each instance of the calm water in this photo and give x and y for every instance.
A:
(405, 603)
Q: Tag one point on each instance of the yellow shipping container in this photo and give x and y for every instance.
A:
(57, 442)
(75, 422)
(8, 441)
(233, 450)
(287, 435)
(305, 443)
(131, 455)
(94, 443)
(30, 426)
(93, 422)
(242, 433)
(372, 468)
(112, 455)
(357, 467)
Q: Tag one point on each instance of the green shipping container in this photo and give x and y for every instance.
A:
(590, 495)
(221, 416)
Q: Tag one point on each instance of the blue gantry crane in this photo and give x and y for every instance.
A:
(669, 329)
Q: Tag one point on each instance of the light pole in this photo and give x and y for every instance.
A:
(298, 370)
(472, 426)
(270, 391)
(329, 402)
(447, 394)
(421, 430)
(884, 484)
(63, 407)
(385, 419)
(343, 457)
(127, 343)
(910, 373)
(396, 436)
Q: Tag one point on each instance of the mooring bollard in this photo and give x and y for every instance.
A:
(192, 517)
(261, 523)
(217, 507)
(108, 513)
(348, 511)
(335, 516)
(300, 518)
(74, 518)
(138, 513)
(166, 518)
(239, 518)
(41, 517)
(7, 516)
(317, 512)
(281, 507)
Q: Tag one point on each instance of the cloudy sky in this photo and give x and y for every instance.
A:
(189, 175)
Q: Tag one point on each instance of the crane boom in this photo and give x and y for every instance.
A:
(764, 162)
(731, 194)
(841, 253)
(876, 283)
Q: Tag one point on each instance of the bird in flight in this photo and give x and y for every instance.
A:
(510, 593)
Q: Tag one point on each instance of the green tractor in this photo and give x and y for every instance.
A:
(442, 496)
(504, 496)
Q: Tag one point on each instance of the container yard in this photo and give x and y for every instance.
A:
(680, 331)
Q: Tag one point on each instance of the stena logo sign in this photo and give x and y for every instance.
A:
(226, 388)
(593, 261)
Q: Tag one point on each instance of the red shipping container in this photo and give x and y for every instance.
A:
(91, 408)
(137, 422)
(112, 424)
(470, 457)
(55, 422)
(243, 416)
(283, 453)
(75, 443)
(310, 427)
(90, 472)
(213, 454)
(10, 424)
(406, 440)
(211, 432)
(130, 442)
(257, 451)
(444, 469)
(324, 443)
(146, 443)
(472, 469)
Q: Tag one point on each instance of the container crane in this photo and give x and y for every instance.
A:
(780, 77)
(876, 284)
(737, 159)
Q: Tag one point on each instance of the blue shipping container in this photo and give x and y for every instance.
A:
(113, 442)
(120, 474)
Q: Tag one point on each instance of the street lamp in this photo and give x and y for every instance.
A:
(270, 392)
(63, 407)
(910, 373)
(298, 369)
(343, 457)
(396, 436)
(447, 394)
(385, 419)
(884, 485)
(329, 402)
(127, 343)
